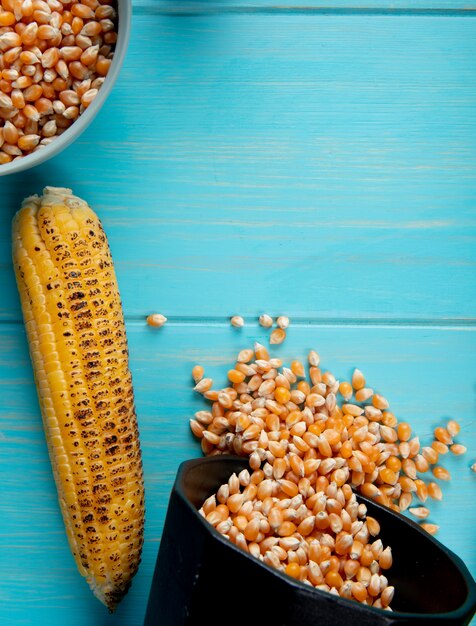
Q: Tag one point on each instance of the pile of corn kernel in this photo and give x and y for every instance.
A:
(310, 445)
(315, 533)
(54, 56)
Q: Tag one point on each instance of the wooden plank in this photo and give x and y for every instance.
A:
(321, 165)
(426, 373)
(396, 7)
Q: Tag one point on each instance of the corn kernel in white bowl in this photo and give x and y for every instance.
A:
(124, 10)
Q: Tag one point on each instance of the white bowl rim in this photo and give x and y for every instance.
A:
(83, 121)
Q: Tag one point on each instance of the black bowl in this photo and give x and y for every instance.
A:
(201, 577)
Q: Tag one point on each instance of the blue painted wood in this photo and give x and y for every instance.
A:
(333, 154)
(427, 374)
(263, 156)
(415, 7)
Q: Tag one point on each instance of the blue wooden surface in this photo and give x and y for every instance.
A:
(337, 150)
(257, 156)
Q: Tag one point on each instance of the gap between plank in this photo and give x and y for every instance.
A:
(194, 11)
(220, 321)
(450, 324)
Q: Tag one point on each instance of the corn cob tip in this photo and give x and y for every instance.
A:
(61, 195)
(61, 190)
(54, 195)
(33, 200)
(109, 595)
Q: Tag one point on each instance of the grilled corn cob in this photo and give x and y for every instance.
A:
(74, 322)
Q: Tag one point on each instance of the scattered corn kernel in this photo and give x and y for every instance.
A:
(419, 511)
(313, 358)
(380, 402)
(453, 428)
(277, 336)
(440, 447)
(261, 352)
(237, 321)
(205, 384)
(245, 356)
(430, 454)
(236, 376)
(432, 529)
(156, 320)
(197, 373)
(345, 390)
(441, 434)
(421, 490)
(363, 394)
(309, 448)
(297, 369)
(358, 380)
(434, 491)
(404, 431)
(265, 320)
(283, 322)
(441, 473)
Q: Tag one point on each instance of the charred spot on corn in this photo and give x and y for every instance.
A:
(75, 326)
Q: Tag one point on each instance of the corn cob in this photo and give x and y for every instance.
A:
(75, 327)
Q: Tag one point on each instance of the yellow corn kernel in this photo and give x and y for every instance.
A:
(334, 579)
(156, 319)
(197, 373)
(393, 463)
(304, 387)
(389, 419)
(434, 491)
(407, 484)
(380, 402)
(75, 327)
(293, 569)
(432, 529)
(453, 428)
(277, 336)
(359, 591)
(237, 321)
(441, 434)
(404, 431)
(297, 369)
(235, 376)
(261, 352)
(283, 322)
(363, 394)
(282, 395)
(358, 380)
(345, 390)
(441, 473)
(421, 490)
(440, 447)
(315, 375)
(388, 476)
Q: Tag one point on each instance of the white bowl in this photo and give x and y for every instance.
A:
(124, 8)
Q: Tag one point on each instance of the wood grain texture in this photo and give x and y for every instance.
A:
(414, 7)
(427, 375)
(321, 165)
(303, 158)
